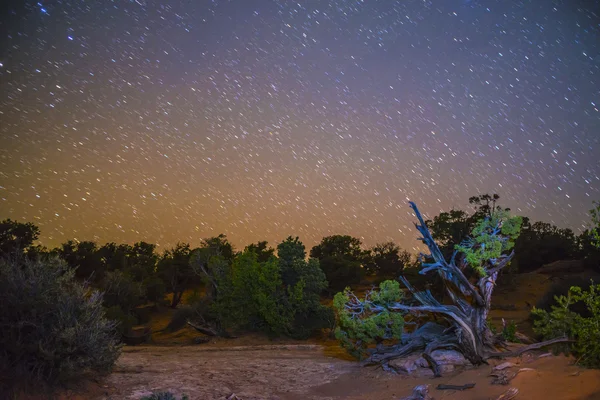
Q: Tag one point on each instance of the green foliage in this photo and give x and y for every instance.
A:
(450, 228)
(289, 250)
(255, 297)
(583, 330)
(164, 396)
(249, 294)
(509, 332)
(51, 326)
(490, 237)
(375, 322)
(307, 281)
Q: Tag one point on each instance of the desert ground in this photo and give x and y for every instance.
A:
(252, 367)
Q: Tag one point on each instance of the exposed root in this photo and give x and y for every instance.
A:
(527, 348)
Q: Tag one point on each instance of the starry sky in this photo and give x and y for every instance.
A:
(181, 119)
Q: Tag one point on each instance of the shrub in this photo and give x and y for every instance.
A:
(124, 321)
(376, 323)
(563, 321)
(509, 332)
(121, 290)
(51, 326)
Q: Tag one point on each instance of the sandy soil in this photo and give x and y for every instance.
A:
(305, 372)
(253, 367)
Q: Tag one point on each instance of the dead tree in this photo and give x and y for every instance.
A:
(463, 321)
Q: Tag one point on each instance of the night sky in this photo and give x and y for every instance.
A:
(177, 120)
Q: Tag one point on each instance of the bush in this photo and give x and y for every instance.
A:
(374, 324)
(121, 290)
(51, 326)
(124, 321)
(563, 321)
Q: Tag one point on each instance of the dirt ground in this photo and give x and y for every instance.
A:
(305, 372)
(253, 367)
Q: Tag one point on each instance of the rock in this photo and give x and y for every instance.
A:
(407, 364)
(415, 364)
(449, 357)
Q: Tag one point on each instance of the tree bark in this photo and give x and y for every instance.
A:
(465, 317)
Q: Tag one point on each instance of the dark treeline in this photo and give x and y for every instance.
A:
(227, 280)
(65, 309)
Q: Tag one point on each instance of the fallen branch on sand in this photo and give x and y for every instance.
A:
(208, 331)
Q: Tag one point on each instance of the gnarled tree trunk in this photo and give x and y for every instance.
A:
(465, 328)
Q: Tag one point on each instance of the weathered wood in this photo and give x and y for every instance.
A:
(420, 392)
(464, 319)
(203, 329)
(509, 394)
(527, 348)
(455, 387)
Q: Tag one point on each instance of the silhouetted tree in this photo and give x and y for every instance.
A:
(387, 260)
(543, 243)
(341, 258)
(212, 262)
(175, 270)
(114, 256)
(84, 257)
(15, 236)
(141, 261)
(450, 228)
(288, 252)
(263, 252)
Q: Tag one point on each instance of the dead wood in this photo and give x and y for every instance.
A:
(462, 321)
(509, 394)
(420, 392)
(455, 387)
(527, 348)
(203, 329)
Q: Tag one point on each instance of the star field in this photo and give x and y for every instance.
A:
(177, 120)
